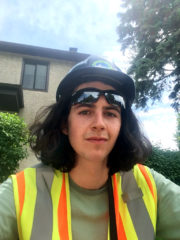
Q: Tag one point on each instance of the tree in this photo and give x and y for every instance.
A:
(151, 29)
(177, 135)
(13, 140)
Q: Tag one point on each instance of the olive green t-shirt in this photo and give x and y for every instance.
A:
(89, 212)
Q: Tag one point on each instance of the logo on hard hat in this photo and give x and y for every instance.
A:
(103, 64)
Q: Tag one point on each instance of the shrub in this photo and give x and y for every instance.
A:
(166, 162)
(13, 143)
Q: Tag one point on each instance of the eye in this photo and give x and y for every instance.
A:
(111, 114)
(84, 112)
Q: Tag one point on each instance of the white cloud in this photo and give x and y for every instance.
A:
(160, 126)
(88, 25)
(121, 60)
(6, 10)
(157, 111)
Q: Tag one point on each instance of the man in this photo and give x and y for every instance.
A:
(90, 184)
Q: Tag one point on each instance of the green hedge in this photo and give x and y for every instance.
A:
(166, 162)
(13, 143)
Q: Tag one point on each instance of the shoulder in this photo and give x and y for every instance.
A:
(168, 211)
(36, 169)
(36, 177)
(8, 225)
(163, 183)
(6, 188)
(164, 186)
(167, 191)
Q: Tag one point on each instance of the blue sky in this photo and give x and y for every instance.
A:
(90, 26)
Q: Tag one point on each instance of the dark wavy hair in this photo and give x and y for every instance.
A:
(52, 147)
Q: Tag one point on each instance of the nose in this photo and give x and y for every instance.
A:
(98, 121)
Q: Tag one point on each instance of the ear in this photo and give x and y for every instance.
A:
(64, 129)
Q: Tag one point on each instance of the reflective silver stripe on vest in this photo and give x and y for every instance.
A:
(132, 195)
(43, 219)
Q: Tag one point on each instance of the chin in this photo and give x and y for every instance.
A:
(98, 157)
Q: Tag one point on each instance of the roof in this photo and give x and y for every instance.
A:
(42, 52)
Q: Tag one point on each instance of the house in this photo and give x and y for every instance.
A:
(29, 76)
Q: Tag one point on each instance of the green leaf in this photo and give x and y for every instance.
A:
(152, 29)
(14, 137)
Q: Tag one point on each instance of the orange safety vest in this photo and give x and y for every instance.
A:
(43, 209)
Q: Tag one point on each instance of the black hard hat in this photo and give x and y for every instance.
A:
(97, 69)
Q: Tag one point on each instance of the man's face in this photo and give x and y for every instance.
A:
(93, 129)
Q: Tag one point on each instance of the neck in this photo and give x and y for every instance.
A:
(89, 175)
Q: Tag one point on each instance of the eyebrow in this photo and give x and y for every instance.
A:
(111, 107)
(91, 105)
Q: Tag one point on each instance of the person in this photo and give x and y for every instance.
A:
(91, 182)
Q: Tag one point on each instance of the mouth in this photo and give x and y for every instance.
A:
(97, 139)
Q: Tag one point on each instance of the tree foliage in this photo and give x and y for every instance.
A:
(13, 141)
(177, 135)
(151, 28)
(166, 162)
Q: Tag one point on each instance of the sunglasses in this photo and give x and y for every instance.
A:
(91, 95)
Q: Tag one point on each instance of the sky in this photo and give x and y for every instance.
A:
(90, 26)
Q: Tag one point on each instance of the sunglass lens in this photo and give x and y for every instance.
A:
(91, 96)
(86, 97)
(114, 99)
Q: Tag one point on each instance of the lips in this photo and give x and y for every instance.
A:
(97, 139)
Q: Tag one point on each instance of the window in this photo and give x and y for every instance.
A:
(35, 75)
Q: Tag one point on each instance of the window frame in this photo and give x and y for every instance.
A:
(35, 62)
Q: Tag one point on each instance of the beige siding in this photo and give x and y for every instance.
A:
(10, 72)
(10, 68)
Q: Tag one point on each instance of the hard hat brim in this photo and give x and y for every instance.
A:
(120, 81)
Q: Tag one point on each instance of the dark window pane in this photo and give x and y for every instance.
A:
(28, 80)
(41, 72)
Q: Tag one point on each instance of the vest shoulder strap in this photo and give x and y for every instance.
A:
(136, 202)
